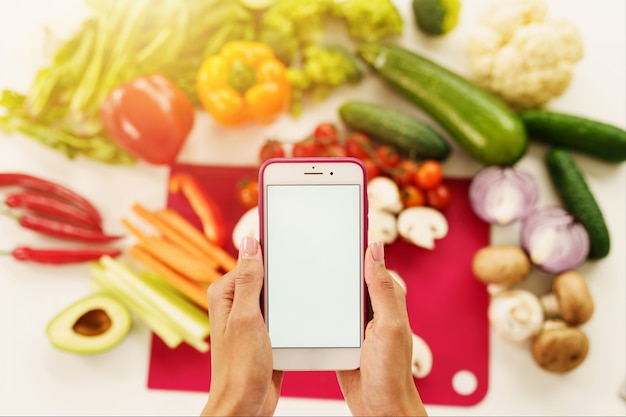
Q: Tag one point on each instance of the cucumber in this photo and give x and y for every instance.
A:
(411, 137)
(576, 133)
(578, 200)
(482, 124)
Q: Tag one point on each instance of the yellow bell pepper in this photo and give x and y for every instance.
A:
(243, 82)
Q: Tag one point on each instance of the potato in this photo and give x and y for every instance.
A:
(501, 264)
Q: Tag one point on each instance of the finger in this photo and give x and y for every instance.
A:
(383, 290)
(248, 277)
(220, 299)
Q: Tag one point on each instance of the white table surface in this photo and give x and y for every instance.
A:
(36, 379)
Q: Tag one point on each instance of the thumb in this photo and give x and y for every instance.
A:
(385, 294)
(248, 275)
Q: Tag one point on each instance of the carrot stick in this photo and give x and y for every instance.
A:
(180, 224)
(177, 259)
(168, 250)
(192, 290)
(168, 232)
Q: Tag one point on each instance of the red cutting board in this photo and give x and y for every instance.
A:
(447, 305)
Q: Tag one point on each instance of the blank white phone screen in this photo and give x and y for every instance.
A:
(313, 266)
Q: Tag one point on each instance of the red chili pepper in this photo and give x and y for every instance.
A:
(207, 210)
(40, 184)
(60, 256)
(63, 230)
(42, 204)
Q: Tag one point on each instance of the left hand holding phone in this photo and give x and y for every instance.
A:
(243, 381)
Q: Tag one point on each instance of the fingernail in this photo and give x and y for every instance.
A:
(248, 248)
(378, 252)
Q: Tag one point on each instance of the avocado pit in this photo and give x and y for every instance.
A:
(92, 323)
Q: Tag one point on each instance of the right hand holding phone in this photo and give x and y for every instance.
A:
(383, 385)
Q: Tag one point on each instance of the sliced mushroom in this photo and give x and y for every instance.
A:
(500, 266)
(383, 194)
(516, 315)
(398, 279)
(422, 225)
(247, 225)
(382, 227)
(570, 299)
(559, 348)
(422, 358)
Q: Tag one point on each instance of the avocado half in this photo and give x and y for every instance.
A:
(91, 325)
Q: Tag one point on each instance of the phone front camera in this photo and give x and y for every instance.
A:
(331, 173)
(312, 167)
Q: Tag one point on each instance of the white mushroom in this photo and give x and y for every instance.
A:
(382, 227)
(570, 299)
(516, 315)
(383, 194)
(398, 278)
(422, 358)
(422, 225)
(247, 225)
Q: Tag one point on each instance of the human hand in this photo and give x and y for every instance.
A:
(383, 385)
(243, 381)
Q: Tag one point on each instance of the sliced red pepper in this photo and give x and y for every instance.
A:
(206, 209)
(60, 256)
(58, 190)
(150, 117)
(42, 204)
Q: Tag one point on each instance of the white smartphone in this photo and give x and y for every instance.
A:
(313, 217)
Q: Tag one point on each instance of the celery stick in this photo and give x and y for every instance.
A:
(191, 320)
(168, 335)
(157, 315)
(137, 297)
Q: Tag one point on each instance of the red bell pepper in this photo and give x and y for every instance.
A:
(211, 217)
(149, 117)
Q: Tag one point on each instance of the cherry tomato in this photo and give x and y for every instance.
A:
(372, 169)
(358, 145)
(271, 149)
(335, 150)
(404, 172)
(412, 196)
(248, 193)
(305, 148)
(429, 175)
(325, 134)
(387, 156)
(439, 197)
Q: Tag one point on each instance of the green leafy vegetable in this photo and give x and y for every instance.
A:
(122, 40)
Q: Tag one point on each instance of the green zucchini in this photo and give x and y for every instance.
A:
(594, 138)
(410, 136)
(483, 125)
(578, 200)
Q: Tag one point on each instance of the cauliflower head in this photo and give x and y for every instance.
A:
(519, 54)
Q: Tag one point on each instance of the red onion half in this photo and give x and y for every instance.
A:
(502, 195)
(554, 240)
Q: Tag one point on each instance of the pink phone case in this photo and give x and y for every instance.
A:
(357, 161)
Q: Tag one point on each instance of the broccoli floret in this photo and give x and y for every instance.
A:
(323, 68)
(302, 20)
(330, 65)
(369, 20)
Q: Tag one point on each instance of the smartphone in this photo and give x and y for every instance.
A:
(313, 228)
